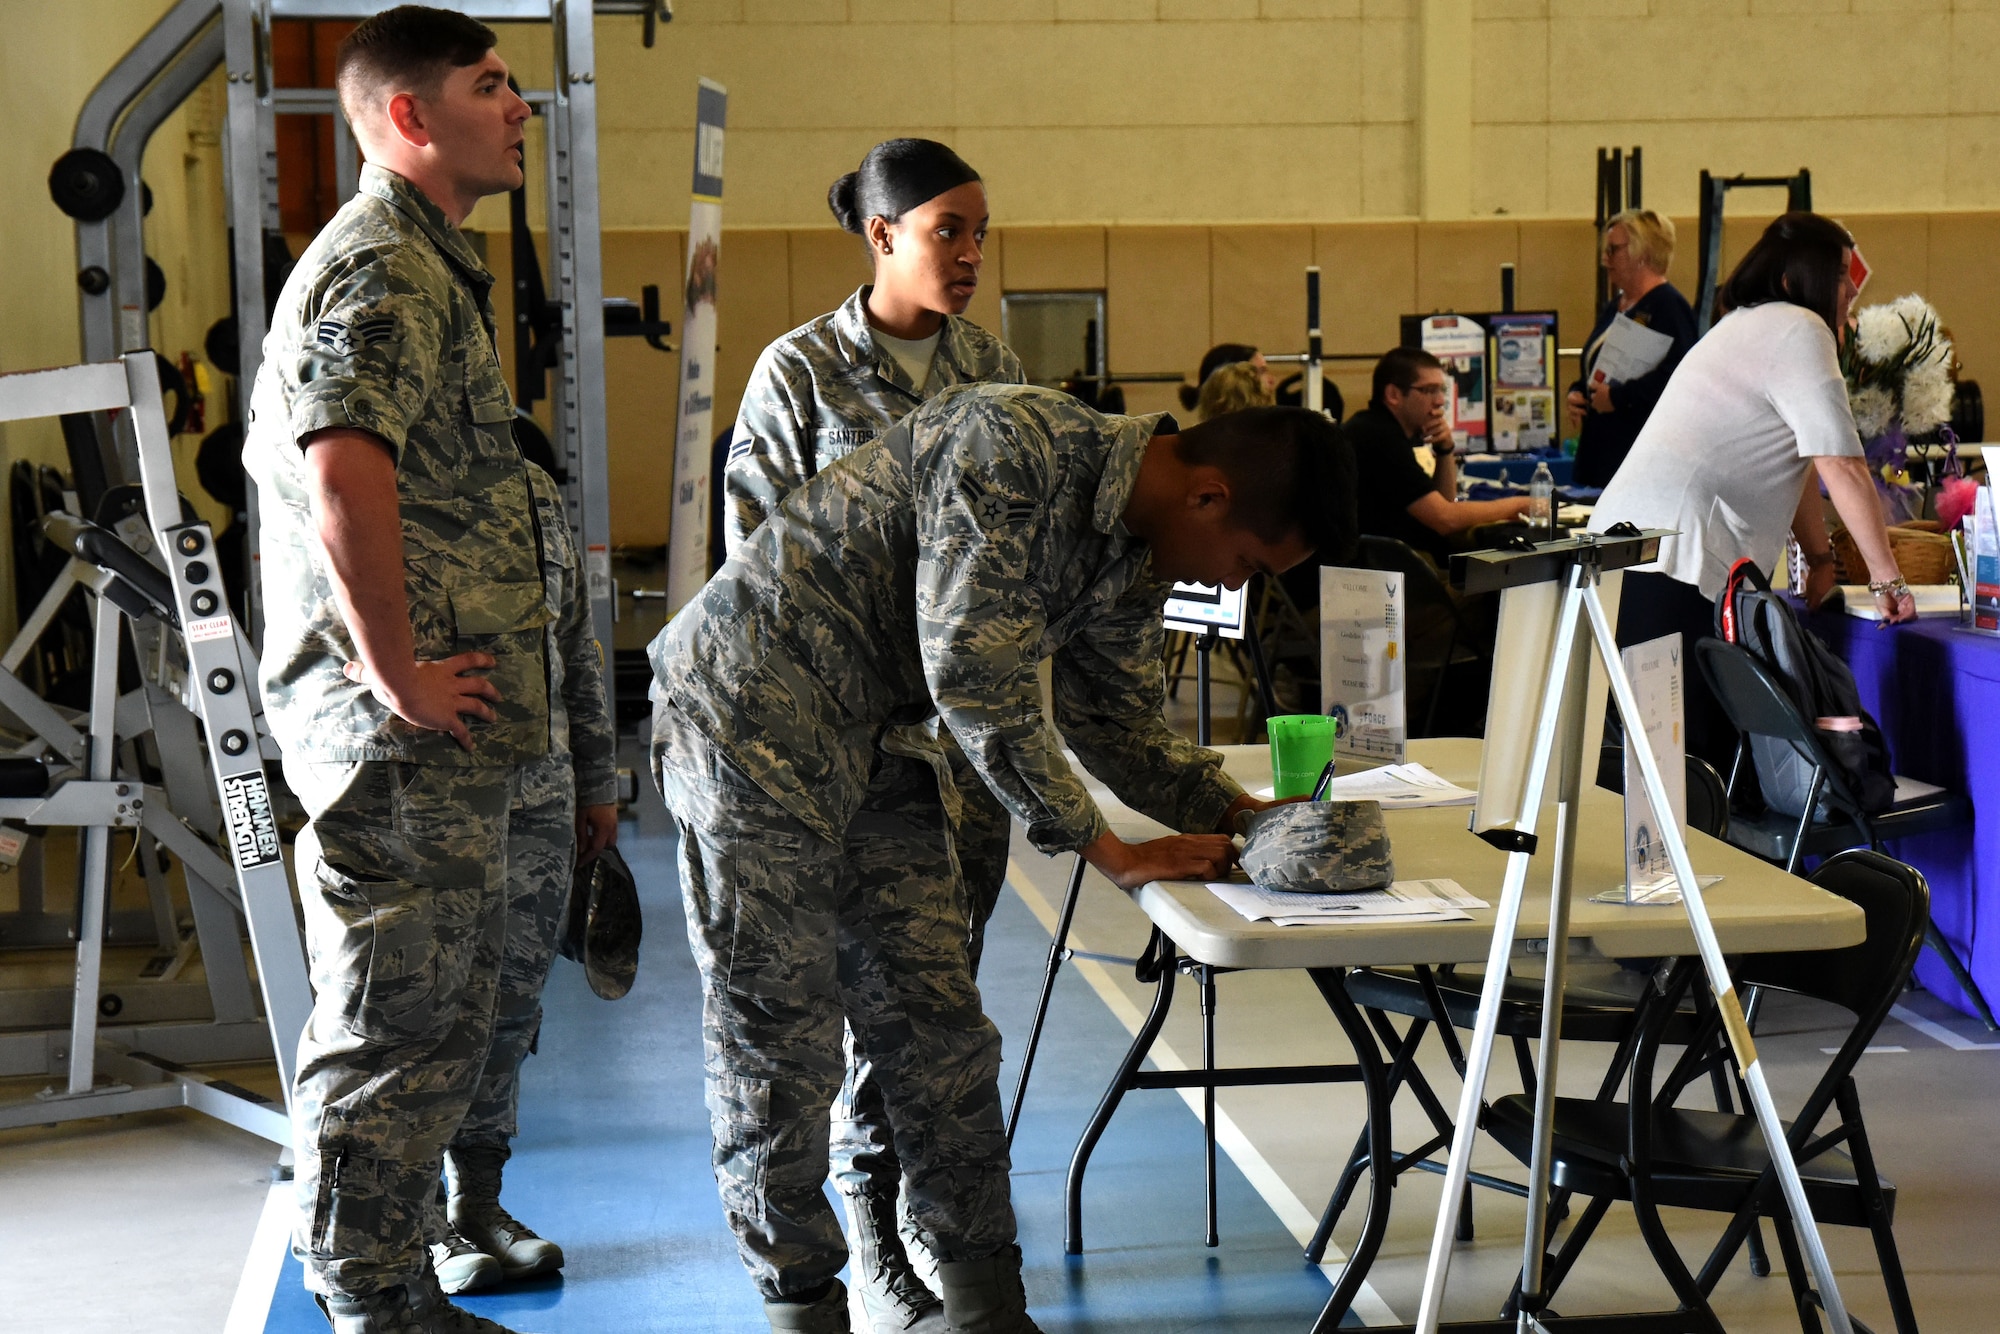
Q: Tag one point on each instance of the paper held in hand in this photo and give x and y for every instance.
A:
(1628, 350)
(1403, 901)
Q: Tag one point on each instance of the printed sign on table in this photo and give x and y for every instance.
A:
(1654, 668)
(1361, 660)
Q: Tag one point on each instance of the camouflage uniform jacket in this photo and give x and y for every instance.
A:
(823, 391)
(386, 326)
(579, 713)
(931, 572)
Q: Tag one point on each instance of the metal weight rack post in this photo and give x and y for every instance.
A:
(1577, 565)
(205, 662)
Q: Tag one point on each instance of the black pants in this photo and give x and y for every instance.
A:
(1654, 605)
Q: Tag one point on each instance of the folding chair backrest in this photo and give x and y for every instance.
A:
(1429, 613)
(1865, 979)
(1707, 798)
(1754, 700)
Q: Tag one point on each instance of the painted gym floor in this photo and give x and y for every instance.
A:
(613, 1162)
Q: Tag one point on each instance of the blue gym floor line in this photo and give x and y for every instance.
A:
(613, 1162)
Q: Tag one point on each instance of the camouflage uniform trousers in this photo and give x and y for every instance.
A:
(541, 855)
(864, 1151)
(793, 935)
(403, 875)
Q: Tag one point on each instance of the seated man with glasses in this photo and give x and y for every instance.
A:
(1394, 496)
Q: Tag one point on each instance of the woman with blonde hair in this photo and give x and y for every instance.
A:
(1638, 249)
(1232, 388)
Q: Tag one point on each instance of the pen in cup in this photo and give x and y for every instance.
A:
(1325, 780)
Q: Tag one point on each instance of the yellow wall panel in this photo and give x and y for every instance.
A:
(1258, 292)
(1458, 263)
(1368, 278)
(1898, 251)
(1966, 290)
(642, 389)
(1157, 298)
(1558, 271)
(827, 264)
(753, 306)
(1054, 259)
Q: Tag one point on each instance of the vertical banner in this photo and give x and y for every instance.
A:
(1654, 668)
(1460, 343)
(687, 539)
(1361, 660)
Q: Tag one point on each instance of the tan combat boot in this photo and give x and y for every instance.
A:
(895, 1299)
(986, 1296)
(476, 1215)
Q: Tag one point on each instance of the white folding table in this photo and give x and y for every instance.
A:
(1756, 908)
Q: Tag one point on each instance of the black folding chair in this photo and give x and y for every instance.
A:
(1596, 1008)
(1758, 705)
(1656, 1155)
(1435, 638)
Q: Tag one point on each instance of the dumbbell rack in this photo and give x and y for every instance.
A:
(183, 604)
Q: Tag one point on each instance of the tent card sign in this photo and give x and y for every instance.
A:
(1197, 608)
(1361, 660)
(1655, 670)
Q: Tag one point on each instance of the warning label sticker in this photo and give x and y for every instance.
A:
(215, 627)
(253, 829)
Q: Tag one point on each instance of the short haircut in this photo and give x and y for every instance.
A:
(1650, 235)
(408, 49)
(1800, 259)
(1290, 472)
(1400, 366)
(1222, 354)
(1236, 386)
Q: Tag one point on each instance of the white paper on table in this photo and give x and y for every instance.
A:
(1403, 901)
(1628, 350)
(1394, 790)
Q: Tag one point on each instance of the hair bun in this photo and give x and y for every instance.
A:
(1189, 397)
(840, 199)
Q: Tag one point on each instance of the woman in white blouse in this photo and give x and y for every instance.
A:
(1753, 422)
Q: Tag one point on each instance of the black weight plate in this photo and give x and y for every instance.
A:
(86, 184)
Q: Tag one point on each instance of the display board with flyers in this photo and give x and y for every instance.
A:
(1500, 370)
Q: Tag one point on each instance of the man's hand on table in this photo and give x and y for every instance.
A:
(1176, 857)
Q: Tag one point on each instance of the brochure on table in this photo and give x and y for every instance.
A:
(1361, 659)
(1985, 563)
(1655, 669)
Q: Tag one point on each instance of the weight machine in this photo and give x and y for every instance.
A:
(134, 758)
(1714, 190)
(194, 668)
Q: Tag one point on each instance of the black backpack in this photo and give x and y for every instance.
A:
(1763, 623)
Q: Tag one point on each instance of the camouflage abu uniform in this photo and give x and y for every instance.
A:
(816, 395)
(385, 326)
(581, 769)
(924, 575)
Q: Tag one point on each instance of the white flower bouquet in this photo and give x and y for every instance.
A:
(1898, 366)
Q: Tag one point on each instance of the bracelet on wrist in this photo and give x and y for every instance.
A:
(1898, 587)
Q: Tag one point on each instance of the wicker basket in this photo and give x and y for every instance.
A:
(1922, 550)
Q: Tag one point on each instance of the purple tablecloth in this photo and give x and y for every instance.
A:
(1936, 691)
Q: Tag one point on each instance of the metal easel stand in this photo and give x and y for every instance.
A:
(204, 662)
(1562, 709)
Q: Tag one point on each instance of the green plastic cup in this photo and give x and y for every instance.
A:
(1301, 746)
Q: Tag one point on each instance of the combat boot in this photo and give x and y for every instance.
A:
(894, 1298)
(986, 1296)
(828, 1315)
(476, 1215)
(461, 1266)
(418, 1309)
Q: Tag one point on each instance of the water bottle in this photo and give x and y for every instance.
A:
(1542, 500)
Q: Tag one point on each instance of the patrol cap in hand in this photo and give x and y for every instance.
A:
(1318, 847)
(602, 928)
